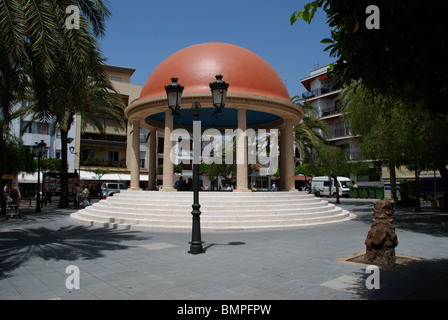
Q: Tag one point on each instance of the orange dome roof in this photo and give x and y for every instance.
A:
(196, 67)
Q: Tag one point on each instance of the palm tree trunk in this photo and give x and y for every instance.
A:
(64, 200)
(444, 174)
(336, 184)
(393, 181)
(2, 197)
(417, 189)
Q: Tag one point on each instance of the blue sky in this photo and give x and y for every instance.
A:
(141, 34)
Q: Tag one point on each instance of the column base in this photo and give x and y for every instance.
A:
(242, 190)
(168, 189)
(135, 189)
(289, 190)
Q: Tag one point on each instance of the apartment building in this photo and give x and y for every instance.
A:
(324, 92)
(32, 132)
(89, 149)
(108, 150)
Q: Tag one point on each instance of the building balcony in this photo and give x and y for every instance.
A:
(99, 139)
(320, 91)
(354, 156)
(340, 132)
(330, 114)
(102, 163)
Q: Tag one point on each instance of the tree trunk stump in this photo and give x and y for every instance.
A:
(382, 239)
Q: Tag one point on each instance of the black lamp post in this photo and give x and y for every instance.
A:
(38, 151)
(174, 93)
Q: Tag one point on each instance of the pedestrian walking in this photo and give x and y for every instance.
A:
(85, 196)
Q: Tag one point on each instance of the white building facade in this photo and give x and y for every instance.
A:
(323, 92)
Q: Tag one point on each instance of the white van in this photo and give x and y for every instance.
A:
(324, 186)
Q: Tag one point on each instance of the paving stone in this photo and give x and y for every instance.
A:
(279, 265)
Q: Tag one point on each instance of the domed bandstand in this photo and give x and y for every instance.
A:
(257, 99)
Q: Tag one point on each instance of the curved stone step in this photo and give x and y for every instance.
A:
(221, 211)
(104, 214)
(220, 225)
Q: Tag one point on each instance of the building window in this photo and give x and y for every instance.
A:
(372, 176)
(113, 156)
(87, 153)
(142, 159)
(143, 135)
(116, 78)
(160, 145)
(35, 127)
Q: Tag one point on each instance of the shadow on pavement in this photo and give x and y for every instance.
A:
(234, 243)
(428, 221)
(425, 280)
(66, 243)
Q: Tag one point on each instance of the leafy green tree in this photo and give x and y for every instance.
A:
(13, 159)
(405, 57)
(50, 165)
(100, 172)
(332, 161)
(213, 171)
(384, 137)
(410, 138)
(177, 169)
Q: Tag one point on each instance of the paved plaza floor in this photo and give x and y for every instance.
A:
(41, 254)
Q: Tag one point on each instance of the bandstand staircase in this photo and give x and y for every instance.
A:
(221, 211)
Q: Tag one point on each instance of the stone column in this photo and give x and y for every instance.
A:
(287, 166)
(152, 159)
(168, 168)
(135, 156)
(241, 153)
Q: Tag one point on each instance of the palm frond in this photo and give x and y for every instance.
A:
(311, 131)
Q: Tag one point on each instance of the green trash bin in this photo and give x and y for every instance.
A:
(363, 192)
(372, 192)
(379, 192)
(354, 193)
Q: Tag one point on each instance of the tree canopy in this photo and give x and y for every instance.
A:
(54, 56)
(412, 137)
(404, 57)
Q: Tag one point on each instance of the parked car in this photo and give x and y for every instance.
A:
(112, 188)
(323, 186)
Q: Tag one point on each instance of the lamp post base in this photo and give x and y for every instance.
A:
(196, 248)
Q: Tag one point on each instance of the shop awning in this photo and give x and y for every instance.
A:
(29, 178)
(91, 176)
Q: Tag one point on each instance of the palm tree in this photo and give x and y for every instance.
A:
(311, 131)
(62, 67)
(30, 41)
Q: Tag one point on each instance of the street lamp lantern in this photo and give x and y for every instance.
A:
(219, 92)
(42, 147)
(174, 93)
(38, 151)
